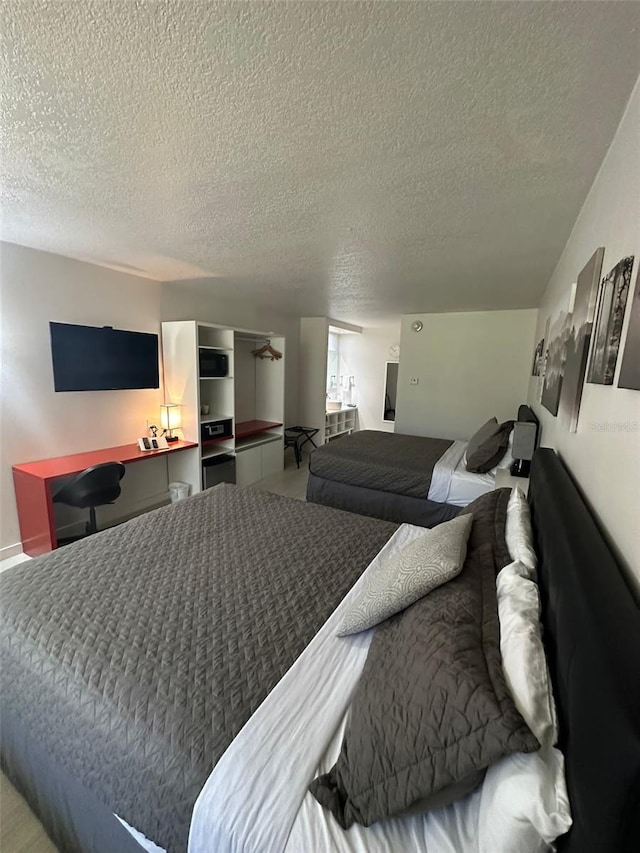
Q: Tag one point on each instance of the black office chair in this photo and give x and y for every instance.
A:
(95, 486)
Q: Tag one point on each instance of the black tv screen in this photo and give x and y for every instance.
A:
(90, 358)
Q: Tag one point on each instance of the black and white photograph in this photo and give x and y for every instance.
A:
(614, 291)
(554, 364)
(542, 367)
(578, 338)
(630, 367)
(536, 367)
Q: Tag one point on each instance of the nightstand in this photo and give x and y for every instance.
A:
(504, 480)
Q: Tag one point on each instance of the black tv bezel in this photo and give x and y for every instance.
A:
(61, 386)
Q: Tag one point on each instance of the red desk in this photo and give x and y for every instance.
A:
(32, 484)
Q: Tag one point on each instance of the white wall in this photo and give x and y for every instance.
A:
(37, 422)
(365, 356)
(314, 346)
(604, 454)
(470, 367)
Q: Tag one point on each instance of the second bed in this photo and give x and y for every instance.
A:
(400, 478)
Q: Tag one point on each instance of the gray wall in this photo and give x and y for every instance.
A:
(604, 454)
(37, 423)
(469, 366)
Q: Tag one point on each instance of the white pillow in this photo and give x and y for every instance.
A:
(524, 797)
(523, 658)
(518, 533)
(424, 564)
(507, 460)
(524, 803)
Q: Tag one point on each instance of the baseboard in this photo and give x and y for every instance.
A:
(10, 551)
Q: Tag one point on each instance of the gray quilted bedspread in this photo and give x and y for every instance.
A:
(389, 462)
(134, 657)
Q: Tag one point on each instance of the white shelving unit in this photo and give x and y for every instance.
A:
(340, 422)
(313, 364)
(250, 396)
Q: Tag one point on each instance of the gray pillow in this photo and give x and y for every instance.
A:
(487, 455)
(478, 438)
(432, 708)
(424, 564)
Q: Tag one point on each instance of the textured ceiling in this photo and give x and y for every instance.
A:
(350, 159)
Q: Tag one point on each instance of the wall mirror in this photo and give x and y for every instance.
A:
(390, 391)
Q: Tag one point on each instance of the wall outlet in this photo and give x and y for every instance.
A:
(413, 380)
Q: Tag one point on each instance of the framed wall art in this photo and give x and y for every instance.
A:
(578, 339)
(614, 291)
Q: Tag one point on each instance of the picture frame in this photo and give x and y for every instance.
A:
(578, 339)
(614, 291)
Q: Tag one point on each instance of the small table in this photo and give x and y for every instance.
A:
(296, 437)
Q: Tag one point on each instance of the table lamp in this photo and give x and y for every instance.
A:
(524, 443)
(170, 420)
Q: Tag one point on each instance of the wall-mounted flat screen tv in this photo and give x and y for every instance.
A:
(92, 358)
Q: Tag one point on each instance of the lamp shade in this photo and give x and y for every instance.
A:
(524, 440)
(170, 416)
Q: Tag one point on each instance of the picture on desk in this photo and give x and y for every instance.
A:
(157, 443)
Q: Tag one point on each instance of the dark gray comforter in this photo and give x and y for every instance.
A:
(432, 709)
(135, 657)
(401, 464)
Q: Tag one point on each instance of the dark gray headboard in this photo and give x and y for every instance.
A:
(592, 636)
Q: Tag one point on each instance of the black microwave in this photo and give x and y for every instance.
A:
(213, 362)
(215, 430)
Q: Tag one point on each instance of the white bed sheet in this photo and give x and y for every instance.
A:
(451, 483)
(141, 838)
(466, 487)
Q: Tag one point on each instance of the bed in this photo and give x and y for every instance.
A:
(112, 647)
(401, 478)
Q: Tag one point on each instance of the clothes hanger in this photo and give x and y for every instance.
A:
(267, 351)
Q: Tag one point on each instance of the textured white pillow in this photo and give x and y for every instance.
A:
(518, 533)
(523, 657)
(424, 564)
(524, 797)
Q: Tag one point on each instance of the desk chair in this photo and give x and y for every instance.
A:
(95, 486)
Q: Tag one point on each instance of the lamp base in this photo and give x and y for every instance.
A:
(171, 438)
(520, 468)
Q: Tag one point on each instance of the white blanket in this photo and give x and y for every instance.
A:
(452, 484)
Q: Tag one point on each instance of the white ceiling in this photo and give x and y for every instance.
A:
(349, 159)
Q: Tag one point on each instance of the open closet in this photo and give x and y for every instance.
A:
(229, 384)
(259, 406)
